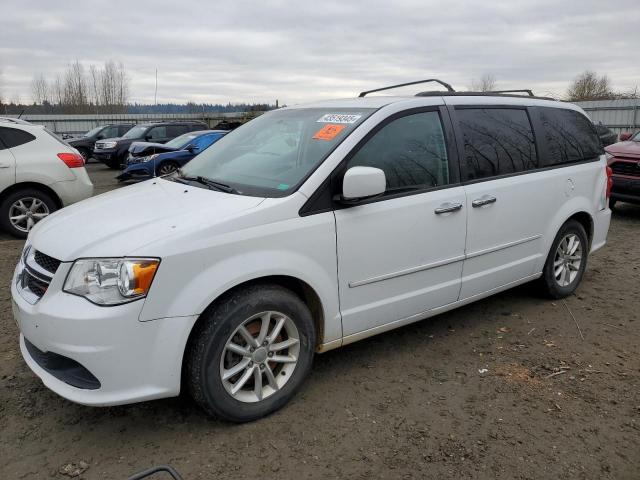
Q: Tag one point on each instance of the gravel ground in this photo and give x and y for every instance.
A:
(503, 388)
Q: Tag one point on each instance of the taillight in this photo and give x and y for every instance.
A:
(72, 160)
(609, 180)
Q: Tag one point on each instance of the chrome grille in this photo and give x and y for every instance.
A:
(34, 274)
(50, 264)
(625, 167)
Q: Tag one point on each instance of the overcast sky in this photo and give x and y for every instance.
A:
(294, 51)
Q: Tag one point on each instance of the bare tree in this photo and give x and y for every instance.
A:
(588, 86)
(76, 96)
(39, 90)
(486, 83)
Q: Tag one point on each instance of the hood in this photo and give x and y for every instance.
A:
(628, 147)
(124, 220)
(147, 148)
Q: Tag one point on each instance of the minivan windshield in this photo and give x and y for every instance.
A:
(272, 154)
(135, 132)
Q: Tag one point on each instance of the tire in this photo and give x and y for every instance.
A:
(113, 164)
(33, 203)
(165, 168)
(571, 271)
(208, 357)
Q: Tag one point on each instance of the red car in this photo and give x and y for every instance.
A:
(624, 160)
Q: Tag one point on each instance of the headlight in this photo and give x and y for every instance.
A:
(111, 281)
(109, 144)
(150, 157)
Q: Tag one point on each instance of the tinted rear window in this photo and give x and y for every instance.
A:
(568, 136)
(497, 141)
(12, 137)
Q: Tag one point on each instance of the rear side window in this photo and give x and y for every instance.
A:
(568, 136)
(157, 133)
(109, 132)
(12, 137)
(497, 141)
(122, 129)
(411, 151)
(177, 130)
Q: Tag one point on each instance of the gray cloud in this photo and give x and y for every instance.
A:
(298, 51)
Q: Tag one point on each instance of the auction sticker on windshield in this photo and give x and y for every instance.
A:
(328, 132)
(339, 118)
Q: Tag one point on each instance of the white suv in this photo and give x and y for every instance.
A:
(39, 173)
(309, 228)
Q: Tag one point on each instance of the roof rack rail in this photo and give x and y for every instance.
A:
(444, 84)
(524, 90)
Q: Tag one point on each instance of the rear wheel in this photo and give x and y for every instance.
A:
(566, 261)
(250, 353)
(22, 209)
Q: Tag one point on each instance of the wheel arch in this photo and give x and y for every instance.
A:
(586, 220)
(33, 185)
(301, 288)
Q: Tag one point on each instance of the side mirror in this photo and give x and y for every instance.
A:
(624, 136)
(192, 148)
(363, 182)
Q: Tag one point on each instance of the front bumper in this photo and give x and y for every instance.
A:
(626, 189)
(132, 360)
(136, 171)
(108, 156)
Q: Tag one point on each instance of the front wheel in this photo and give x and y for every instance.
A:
(566, 261)
(165, 168)
(250, 353)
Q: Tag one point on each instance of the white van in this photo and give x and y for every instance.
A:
(39, 173)
(307, 229)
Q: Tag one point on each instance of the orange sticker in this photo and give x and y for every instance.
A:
(328, 132)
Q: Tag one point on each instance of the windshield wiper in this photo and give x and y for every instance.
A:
(223, 187)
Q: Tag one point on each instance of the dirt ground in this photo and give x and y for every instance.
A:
(503, 388)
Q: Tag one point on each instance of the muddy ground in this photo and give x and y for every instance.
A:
(411, 403)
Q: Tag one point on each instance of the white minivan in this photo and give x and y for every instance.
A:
(308, 228)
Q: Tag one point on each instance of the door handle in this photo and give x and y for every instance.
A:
(447, 207)
(485, 200)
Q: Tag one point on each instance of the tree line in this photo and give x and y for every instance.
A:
(98, 90)
(586, 86)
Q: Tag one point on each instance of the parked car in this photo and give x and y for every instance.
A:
(85, 143)
(308, 228)
(113, 151)
(149, 159)
(607, 137)
(39, 173)
(624, 160)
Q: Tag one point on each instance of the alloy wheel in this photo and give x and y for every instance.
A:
(567, 260)
(166, 169)
(260, 356)
(25, 212)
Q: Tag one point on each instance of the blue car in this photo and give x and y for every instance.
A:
(167, 158)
